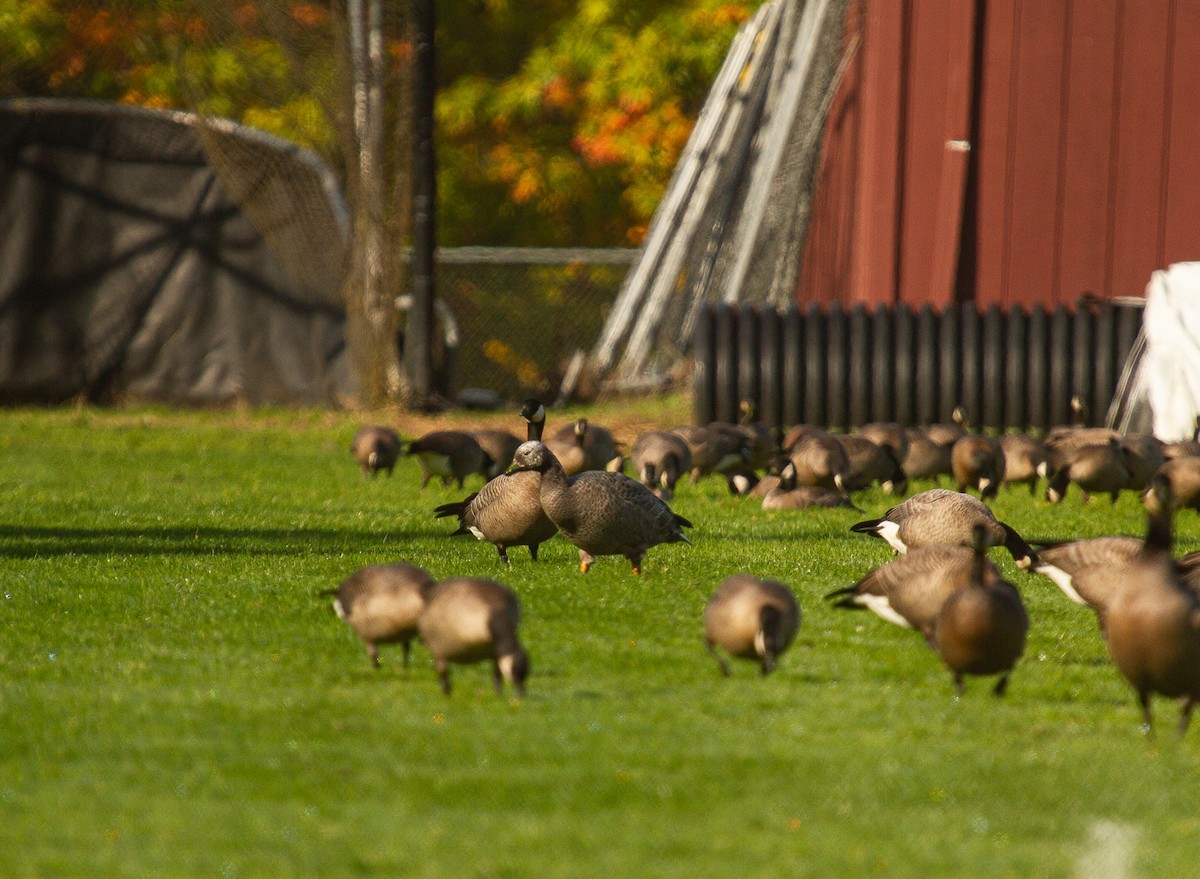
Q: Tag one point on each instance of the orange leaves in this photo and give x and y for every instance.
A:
(310, 15)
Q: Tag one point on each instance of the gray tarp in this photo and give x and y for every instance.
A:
(127, 271)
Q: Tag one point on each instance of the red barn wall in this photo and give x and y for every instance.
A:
(1011, 152)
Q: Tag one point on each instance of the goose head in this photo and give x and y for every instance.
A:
(532, 455)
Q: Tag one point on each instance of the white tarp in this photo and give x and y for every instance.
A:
(1167, 374)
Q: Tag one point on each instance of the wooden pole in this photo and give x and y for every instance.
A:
(418, 336)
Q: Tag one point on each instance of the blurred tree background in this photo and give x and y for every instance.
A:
(558, 122)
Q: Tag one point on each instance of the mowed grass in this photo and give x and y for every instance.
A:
(179, 700)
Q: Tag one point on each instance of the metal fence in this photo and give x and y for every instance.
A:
(522, 313)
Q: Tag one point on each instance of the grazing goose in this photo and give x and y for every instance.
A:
(871, 462)
(375, 448)
(713, 450)
(1154, 620)
(499, 445)
(887, 433)
(451, 455)
(381, 603)
(1184, 475)
(1184, 448)
(747, 482)
(1094, 468)
(787, 495)
(821, 460)
(761, 441)
(910, 590)
(507, 511)
(472, 619)
(978, 462)
(600, 512)
(981, 628)
(659, 458)
(1089, 572)
(1024, 460)
(1143, 456)
(941, 517)
(583, 446)
(925, 458)
(750, 618)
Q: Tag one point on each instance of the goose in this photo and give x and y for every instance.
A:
(375, 448)
(981, 629)
(659, 458)
(449, 454)
(583, 446)
(600, 512)
(1154, 620)
(787, 495)
(499, 445)
(796, 433)
(713, 450)
(1143, 456)
(925, 458)
(909, 591)
(871, 462)
(507, 511)
(750, 618)
(1094, 468)
(744, 481)
(940, 516)
(473, 619)
(821, 460)
(946, 434)
(1184, 475)
(761, 441)
(1024, 460)
(1184, 448)
(887, 433)
(977, 462)
(381, 604)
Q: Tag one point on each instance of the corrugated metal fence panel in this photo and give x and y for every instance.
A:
(1007, 367)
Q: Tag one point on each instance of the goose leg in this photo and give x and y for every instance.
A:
(443, 670)
(503, 553)
(1147, 717)
(1185, 713)
(533, 548)
(497, 679)
(407, 646)
(721, 663)
(585, 561)
(373, 654)
(1001, 685)
(959, 687)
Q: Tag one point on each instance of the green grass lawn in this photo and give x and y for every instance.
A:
(178, 700)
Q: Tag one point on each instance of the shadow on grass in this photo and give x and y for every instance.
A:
(23, 543)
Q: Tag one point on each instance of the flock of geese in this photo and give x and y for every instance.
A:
(940, 583)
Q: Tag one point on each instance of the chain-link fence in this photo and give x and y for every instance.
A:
(521, 313)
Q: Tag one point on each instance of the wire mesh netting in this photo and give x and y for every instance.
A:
(523, 312)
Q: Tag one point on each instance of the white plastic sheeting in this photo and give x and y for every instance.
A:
(1161, 384)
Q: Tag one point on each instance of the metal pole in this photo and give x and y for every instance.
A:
(418, 336)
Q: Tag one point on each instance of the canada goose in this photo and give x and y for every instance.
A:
(507, 511)
(746, 482)
(1024, 460)
(751, 619)
(583, 446)
(1184, 475)
(821, 460)
(600, 512)
(796, 433)
(946, 434)
(871, 462)
(910, 590)
(472, 619)
(925, 459)
(1094, 468)
(978, 462)
(499, 445)
(941, 517)
(449, 454)
(659, 458)
(761, 442)
(887, 433)
(1184, 448)
(1154, 620)
(1143, 456)
(1089, 571)
(375, 448)
(713, 450)
(381, 603)
(981, 628)
(787, 495)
